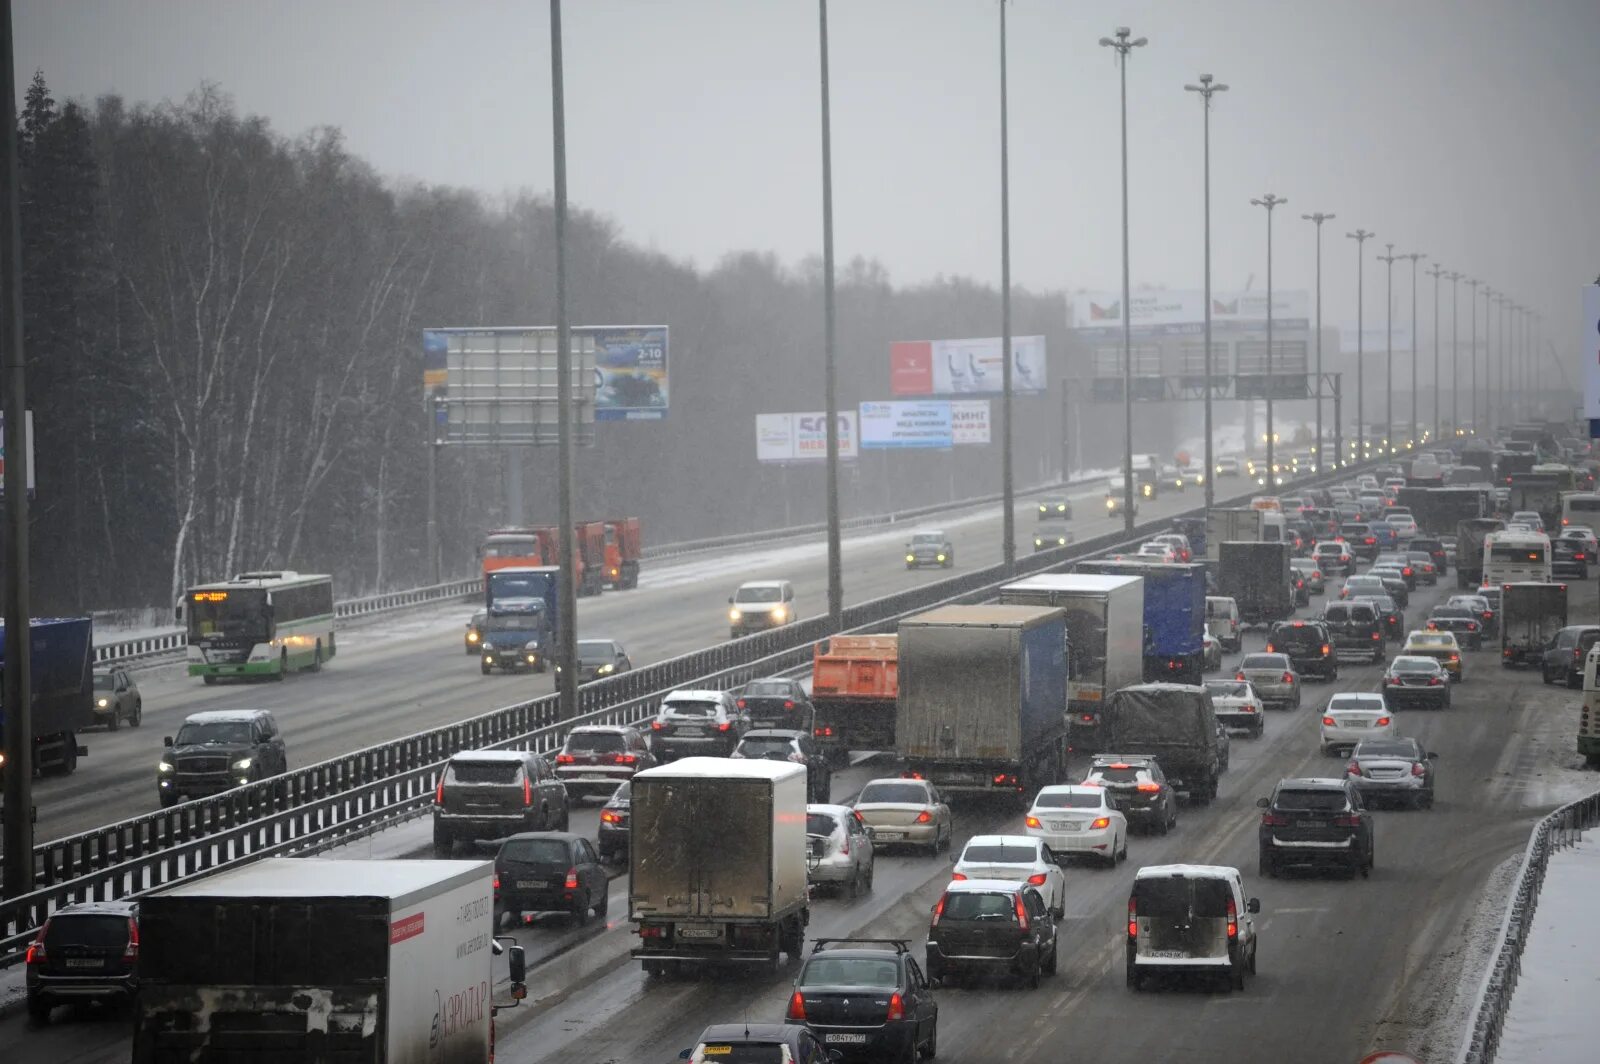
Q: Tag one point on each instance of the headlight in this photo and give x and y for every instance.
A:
(1200, 478)
(165, 767)
(488, 646)
(1037, 542)
(1061, 541)
(778, 612)
(941, 557)
(1061, 507)
(911, 557)
(1111, 504)
(1147, 490)
(734, 614)
(242, 765)
(605, 670)
(473, 637)
(102, 703)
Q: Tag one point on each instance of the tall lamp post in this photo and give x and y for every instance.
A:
(1124, 43)
(1388, 326)
(1437, 272)
(1490, 416)
(829, 345)
(1472, 306)
(1009, 522)
(1411, 436)
(1207, 89)
(1361, 236)
(1269, 201)
(1455, 351)
(1317, 219)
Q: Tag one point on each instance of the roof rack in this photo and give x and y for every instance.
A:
(899, 945)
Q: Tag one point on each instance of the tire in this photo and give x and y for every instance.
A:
(138, 714)
(931, 1050)
(1252, 968)
(168, 800)
(1050, 964)
(443, 844)
(39, 1011)
(603, 905)
(1237, 976)
(1426, 802)
(209, 681)
(485, 669)
(1544, 676)
(69, 757)
(1135, 980)
(116, 720)
(1163, 826)
(1260, 728)
(1034, 976)
(580, 913)
(870, 869)
(1267, 868)
(1122, 855)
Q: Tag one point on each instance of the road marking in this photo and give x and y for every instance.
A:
(1309, 909)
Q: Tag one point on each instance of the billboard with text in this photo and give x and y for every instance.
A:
(969, 421)
(803, 437)
(1178, 313)
(965, 367)
(906, 425)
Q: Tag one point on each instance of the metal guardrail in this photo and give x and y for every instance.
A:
(1556, 831)
(319, 802)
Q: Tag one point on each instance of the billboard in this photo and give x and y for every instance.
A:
(499, 385)
(1181, 313)
(906, 425)
(630, 371)
(1375, 339)
(1589, 350)
(965, 367)
(803, 437)
(969, 421)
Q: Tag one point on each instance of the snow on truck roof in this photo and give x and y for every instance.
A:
(990, 616)
(692, 768)
(311, 877)
(1186, 871)
(1092, 582)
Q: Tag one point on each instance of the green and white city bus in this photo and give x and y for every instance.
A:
(259, 624)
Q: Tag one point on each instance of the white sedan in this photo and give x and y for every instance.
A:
(1352, 717)
(1070, 818)
(1237, 705)
(1019, 859)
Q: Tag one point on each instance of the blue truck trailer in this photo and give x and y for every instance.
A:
(61, 653)
(982, 700)
(1174, 615)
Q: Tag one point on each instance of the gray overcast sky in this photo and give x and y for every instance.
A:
(1461, 128)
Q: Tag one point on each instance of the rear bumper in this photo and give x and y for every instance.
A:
(462, 826)
(835, 869)
(585, 781)
(888, 1042)
(904, 834)
(100, 987)
(1417, 696)
(1397, 787)
(1096, 842)
(1307, 852)
(1020, 961)
(535, 901)
(1232, 719)
(612, 839)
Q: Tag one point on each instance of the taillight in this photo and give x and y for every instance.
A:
(1133, 918)
(565, 759)
(739, 702)
(1326, 650)
(1472, 626)
(924, 817)
(797, 1007)
(1369, 540)
(726, 725)
(1417, 769)
(527, 790)
(1270, 649)
(1149, 786)
(897, 1008)
(822, 733)
(1347, 821)
(1022, 913)
(1033, 822)
(1238, 676)
(608, 816)
(1434, 681)
(438, 793)
(131, 953)
(1233, 919)
(938, 910)
(1288, 677)
(1353, 769)
(1383, 722)
(1100, 822)
(36, 954)
(1329, 722)
(624, 759)
(788, 703)
(958, 876)
(572, 879)
(1376, 635)
(1274, 820)
(1037, 879)
(497, 884)
(655, 725)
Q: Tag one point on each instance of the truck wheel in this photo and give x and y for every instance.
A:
(792, 939)
(69, 756)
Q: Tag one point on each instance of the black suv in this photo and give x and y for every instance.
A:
(1358, 536)
(217, 751)
(707, 723)
(489, 794)
(1565, 654)
(776, 702)
(1136, 786)
(986, 925)
(1309, 645)
(1462, 620)
(1355, 629)
(549, 871)
(781, 744)
(1435, 550)
(1315, 821)
(1391, 618)
(868, 1000)
(84, 952)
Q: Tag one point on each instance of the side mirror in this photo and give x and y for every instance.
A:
(1253, 905)
(1263, 803)
(730, 602)
(166, 740)
(518, 964)
(686, 1054)
(1431, 756)
(952, 859)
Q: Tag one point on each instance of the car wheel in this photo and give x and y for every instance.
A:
(931, 1050)
(443, 844)
(1035, 973)
(1544, 676)
(603, 904)
(168, 800)
(566, 818)
(39, 1011)
(1427, 799)
(1252, 959)
(1163, 825)
(1260, 728)
(1050, 961)
(1122, 854)
(1267, 868)
(116, 720)
(1135, 980)
(138, 714)
(1238, 977)
(485, 668)
(579, 912)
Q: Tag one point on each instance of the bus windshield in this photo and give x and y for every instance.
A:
(238, 612)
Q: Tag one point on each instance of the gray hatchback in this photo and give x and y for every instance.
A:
(1274, 679)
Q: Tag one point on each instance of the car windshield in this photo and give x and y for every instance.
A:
(821, 824)
(1388, 748)
(768, 689)
(1001, 852)
(687, 707)
(1355, 701)
(1264, 661)
(1228, 688)
(103, 682)
(1180, 897)
(514, 622)
(1414, 665)
(622, 794)
(893, 793)
(595, 651)
(596, 742)
(850, 971)
(1066, 800)
(536, 851)
(1318, 800)
(973, 906)
(222, 731)
(772, 749)
(927, 539)
(484, 771)
(758, 594)
(1118, 773)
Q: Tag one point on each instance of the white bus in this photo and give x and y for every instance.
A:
(1515, 557)
(1581, 509)
(258, 624)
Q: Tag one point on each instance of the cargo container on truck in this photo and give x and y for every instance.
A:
(1257, 576)
(1438, 511)
(1541, 493)
(1241, 525)
(1174, 723)
(61, 659)
(983, 698)
(1530, 616)
(624, 551)
(1105, 644)
(1470, 535)
(1174, 615)
(717, 858)
(854, 684)
(321, 962)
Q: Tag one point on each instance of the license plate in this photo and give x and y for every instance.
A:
(1308, 823)
(699, 932)
(1063, 825)
(888, 836)
(1356, 724)
(532, 884)
(845, 1036)
(85, 962)
(1164, 954)
(681, 730)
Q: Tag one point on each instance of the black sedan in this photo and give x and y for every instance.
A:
(1464, 622)
(613, 836)
(868, 999)
(775, 702)
(549, 871)
(1413, 680)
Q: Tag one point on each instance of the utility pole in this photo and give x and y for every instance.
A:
(1207, 89)
(1361, 236)
(1455, 352)
(1473, 282)
(830, 397)
(1317, 219)
(1269, 201)
(1123, 46)
(1388, 324)
(1008, 523)
(1437, 272)
(567, 595)
(17, 837)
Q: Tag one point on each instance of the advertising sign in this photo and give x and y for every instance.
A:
(1181, 313)
(499, 385)
(27, 436)
(630, 371)
(969, 421)
(1590, 348)
(965, 367)
(906, 425)
(803, 437)
(1374, 339)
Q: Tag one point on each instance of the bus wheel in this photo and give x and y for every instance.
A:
(316, 661)
(283, 665)
(209, 680)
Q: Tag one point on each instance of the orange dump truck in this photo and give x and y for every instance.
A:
(623, 552)
(854, 683)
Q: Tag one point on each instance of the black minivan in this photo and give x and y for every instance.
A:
(1309, 645)
(1356, 630)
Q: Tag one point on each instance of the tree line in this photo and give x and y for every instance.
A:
(223, 338)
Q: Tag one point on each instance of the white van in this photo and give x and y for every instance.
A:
(1581, 509)
(1222, 615)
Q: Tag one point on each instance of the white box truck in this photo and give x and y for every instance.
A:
(307, 960)
(1239, 525)
(717, 856)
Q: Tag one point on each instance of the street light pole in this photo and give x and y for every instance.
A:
(1269, 201)
(1388, 375)
(566, 591)
(1317, 218)
(1411, 437)
(1437, 272)
(1206, 90)
(1472, 306)
(1455, 351)
(1123, 45)
(829, 345)
(1360, 236)
(1008, 522)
